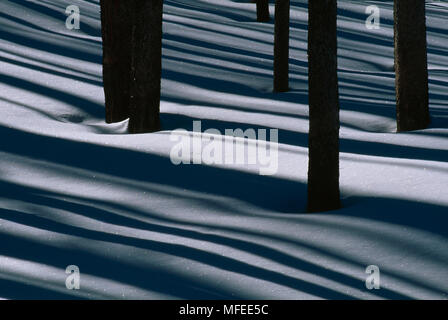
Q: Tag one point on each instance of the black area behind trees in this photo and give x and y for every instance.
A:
(323, 170)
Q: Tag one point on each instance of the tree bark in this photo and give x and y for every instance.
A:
(281, 46)
(116, 34)
(146, 66)
(323, 169)
(411, 69)
(262, 10)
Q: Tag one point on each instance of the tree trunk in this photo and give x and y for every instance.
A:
(281, 46)
(116, 34)
(146, 66)
(411, 69)
(262, 10)
(323, 169)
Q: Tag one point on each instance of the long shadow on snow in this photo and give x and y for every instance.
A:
(94, 109)
(177, 250)
(40, 197)
(264, 191)
(14, 290)
(437, 216)
(59, 48)
(230, 13)
(57, 15)
(162, 281)
(30, 66)
(289, 137)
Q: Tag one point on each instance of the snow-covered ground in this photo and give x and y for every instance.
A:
(75, 191)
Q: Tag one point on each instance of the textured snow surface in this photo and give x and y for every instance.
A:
(76, 191)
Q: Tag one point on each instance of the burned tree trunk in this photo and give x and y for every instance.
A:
(146, 66)
(281, 46)
(116, 34)
(323, 170)
(411, 69)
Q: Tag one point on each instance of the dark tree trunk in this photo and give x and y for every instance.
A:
(262, 10)
(411, 69)
(146, 66)
(116, 33)
(323, 170)
(281, 46)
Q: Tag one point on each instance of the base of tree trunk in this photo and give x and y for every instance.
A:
(116, 34)
(323, 146)
(323, 195)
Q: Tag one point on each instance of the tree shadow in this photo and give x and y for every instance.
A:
(157, 280)
(49, 200)
(89, 107)
(267, 192)
(176, 250)
(295, 138)
(14, 290)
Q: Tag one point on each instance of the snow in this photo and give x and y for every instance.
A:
(77, 191)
